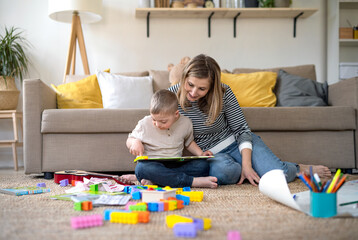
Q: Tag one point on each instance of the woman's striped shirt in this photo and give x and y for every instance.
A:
(230, 122)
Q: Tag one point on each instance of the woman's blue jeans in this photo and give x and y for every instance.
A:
(173, 174)
(226, 165)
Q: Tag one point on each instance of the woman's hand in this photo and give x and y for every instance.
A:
(207, 153)
(249, 174)
(136, 147)
(247, 171)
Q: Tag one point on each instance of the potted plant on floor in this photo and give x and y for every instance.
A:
(13, 63)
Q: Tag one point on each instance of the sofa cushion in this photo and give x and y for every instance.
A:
(293, 90)
(125, 92)
(306, 71)
(300, 118)
(91, 120)
(252, 89)
(84, 93)
(160, 79)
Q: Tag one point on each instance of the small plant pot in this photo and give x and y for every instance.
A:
(9, 94)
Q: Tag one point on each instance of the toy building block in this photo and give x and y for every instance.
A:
(194, 196)
(207, 223)
(180, 204)
(138, 207)
(86, 221)
(124, 217)
(64, 182)
(154, 196)
(126, 189)
(153, 206)
(173, 219)
(143, 217)
(185, 199)
(160, 206)
(184, 230)
(167, 188)
(107, 213)
(233, 235)
(179, 190)
(87, 205)
(199, 223)
(136, 195)
(94, 188)
(42, 184)
(129, 204)
(77, 206)
(186, 189)
(151, 186)
(172, 205)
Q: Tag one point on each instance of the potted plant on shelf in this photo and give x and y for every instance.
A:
(13, 63)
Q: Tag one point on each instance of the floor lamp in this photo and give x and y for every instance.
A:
(75, 12)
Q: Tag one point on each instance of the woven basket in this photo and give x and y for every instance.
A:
(9, 95)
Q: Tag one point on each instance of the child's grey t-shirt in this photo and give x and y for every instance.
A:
(164, 143)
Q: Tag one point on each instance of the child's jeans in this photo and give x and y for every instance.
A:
(173, 174)
(226, 165)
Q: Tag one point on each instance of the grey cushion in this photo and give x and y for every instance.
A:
(293, 90)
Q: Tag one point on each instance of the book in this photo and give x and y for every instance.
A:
(19, 191)
(177, 159)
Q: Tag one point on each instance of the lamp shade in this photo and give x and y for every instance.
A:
(62, 10)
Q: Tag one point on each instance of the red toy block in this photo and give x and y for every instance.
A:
(87, 205)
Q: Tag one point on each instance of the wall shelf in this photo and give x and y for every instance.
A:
(232, 13)
(348, 42)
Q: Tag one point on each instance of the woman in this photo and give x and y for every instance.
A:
(220, 127)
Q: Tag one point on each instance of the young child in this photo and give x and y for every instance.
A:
(165, 133)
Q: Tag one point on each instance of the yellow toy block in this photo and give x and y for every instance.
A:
(124, 217)
(207, 223)
(179, 190)
(172, 205)
(167, 188)
(171, 220)
(194, 196)
(151, 186)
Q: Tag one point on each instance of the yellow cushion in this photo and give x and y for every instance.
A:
(252, 89)
(84, 93)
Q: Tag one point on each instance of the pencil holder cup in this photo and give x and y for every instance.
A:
(323, 205)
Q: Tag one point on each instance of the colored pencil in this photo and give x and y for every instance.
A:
(348, 203)
(300, 176)
(334, 181)
(339, 184)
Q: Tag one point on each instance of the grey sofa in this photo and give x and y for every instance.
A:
(94, 139)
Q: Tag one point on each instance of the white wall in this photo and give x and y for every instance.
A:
(119, 42)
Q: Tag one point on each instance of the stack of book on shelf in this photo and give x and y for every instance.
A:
(162, 3)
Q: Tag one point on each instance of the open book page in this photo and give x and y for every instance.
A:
(274, 185)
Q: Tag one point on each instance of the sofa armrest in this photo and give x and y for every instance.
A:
(37, 97)
(344, 93)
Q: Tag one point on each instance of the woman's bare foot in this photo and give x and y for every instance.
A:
(128, 178)
(205, 182)
(146, 182)
(322, 171)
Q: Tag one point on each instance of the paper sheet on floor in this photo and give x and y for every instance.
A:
(273, 184)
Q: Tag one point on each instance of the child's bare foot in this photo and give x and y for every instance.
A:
(322, 171)
(128, 178)
(205, 182)
(146, 182)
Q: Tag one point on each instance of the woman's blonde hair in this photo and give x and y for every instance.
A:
(203, 66)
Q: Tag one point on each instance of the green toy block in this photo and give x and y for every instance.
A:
(77, 206)
(94, 188)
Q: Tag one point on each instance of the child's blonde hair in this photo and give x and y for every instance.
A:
(163, 101)
(203, 66)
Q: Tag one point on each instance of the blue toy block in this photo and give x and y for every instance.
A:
(185, 199)
(160, 206)
(107, 213)
(64, 182)
(199, 223)
(136, 195)
(126, 189)
(42, 184)
(184, 230)
(186, 189)
(153, 207)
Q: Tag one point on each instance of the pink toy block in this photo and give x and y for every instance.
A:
(184, 230)
(233, 235)
(86, 221)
